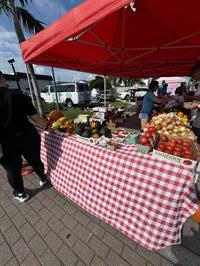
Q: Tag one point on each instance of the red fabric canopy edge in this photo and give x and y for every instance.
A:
(71, 23)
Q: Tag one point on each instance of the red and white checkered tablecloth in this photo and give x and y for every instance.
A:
(145, 198)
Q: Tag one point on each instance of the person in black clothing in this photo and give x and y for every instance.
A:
(18, 137)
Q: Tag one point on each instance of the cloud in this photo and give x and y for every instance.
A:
(48, 11)
(9, 49)
(63, 75)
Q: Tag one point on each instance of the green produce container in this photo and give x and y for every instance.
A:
(132, 139)
(143, 149)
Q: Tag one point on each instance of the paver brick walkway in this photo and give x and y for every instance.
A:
(51, 230)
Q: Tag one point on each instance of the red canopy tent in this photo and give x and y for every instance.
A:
(121, 38)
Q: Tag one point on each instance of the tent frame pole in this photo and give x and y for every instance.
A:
(104, 81)
(54, 87)
(30, 86)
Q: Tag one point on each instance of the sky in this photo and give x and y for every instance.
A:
(46, 11)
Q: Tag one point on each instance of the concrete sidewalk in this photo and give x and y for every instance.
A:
(50, 230)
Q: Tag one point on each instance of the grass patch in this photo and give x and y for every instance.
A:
(118, 103)
(75, 112)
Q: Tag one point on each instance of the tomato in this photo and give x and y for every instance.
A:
(172, 145)
(162, 145)
(187, 156)
(169, 152)
(143, 140)
(151, 129)
(184, 148)
(187, 152)
(177, 153)
(179, 141)
(164, 139)
(169, 148)
(159, 149)
(177, 148)
(148, 135)
(186, 144)
(173, 141)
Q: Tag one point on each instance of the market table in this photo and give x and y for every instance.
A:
(145, 198)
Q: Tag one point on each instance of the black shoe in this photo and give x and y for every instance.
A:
(21, 197)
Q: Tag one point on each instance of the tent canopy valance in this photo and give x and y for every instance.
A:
(121, 38)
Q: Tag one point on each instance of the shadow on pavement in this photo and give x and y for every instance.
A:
(34, 191)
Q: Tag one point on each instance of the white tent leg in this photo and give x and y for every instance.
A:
(54, 86)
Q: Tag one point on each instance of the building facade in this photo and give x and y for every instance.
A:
(42, 80)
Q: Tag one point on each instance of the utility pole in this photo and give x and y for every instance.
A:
(11, 62)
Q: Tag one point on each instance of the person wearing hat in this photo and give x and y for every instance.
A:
(18, 137)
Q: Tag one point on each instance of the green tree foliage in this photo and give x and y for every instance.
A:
(98, 83)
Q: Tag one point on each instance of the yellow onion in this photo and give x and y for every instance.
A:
(184, 134)
(158, 127)
(170, 126)
(178, 122)
(182, 129)
(157, 122)
(166, 132)
(175, 130)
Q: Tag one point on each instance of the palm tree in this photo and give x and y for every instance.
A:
(22, 18)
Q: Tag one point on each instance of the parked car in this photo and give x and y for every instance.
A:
(125, 95)
(110, 96)
(69, 93)
(132, 93)
(141, 91)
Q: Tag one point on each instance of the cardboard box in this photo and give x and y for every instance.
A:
(187, 162)
(193, 164)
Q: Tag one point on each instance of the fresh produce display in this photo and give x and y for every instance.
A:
(120, 133)
(176, 137)
(55, 115)
(177, 147)
(107, 142)
(183, 117)
(171, 124)
(112, 145)
(94, 130)
(63, 125)
(147, 138)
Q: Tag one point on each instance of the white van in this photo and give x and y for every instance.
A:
(69, 93)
